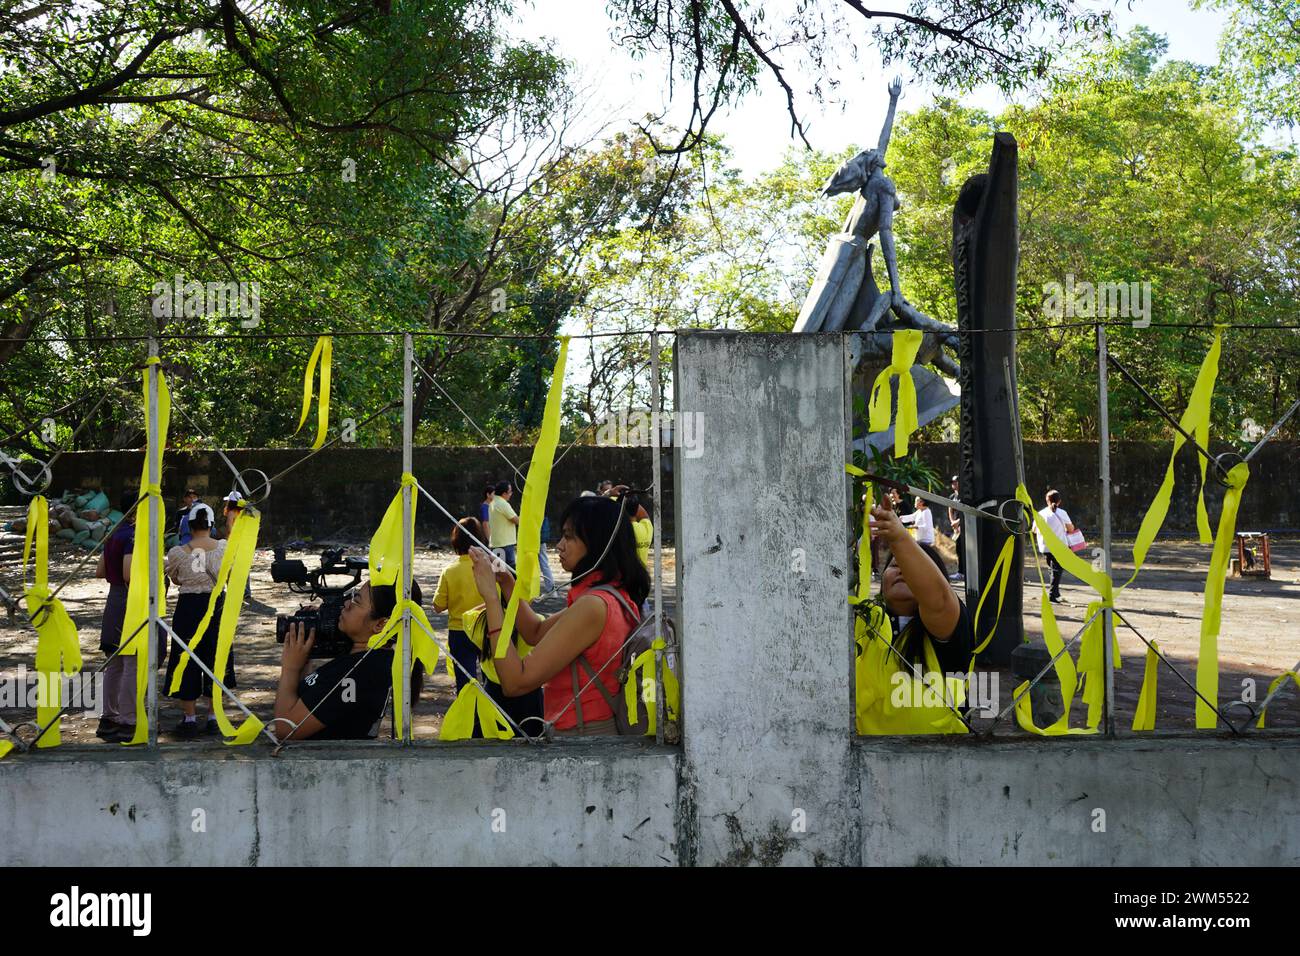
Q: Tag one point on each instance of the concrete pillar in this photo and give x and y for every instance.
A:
(763, 548)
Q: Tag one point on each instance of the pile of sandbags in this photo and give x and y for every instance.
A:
(80, 518)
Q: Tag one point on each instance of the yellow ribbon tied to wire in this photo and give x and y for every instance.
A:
(387, 555)
(642, 676)
(1196, 420)
(1066, 672)
(907, 342)
(472, 701)
(147, 537)
(322, 353)
(1277, 682)
(1207, 663)
(528, 569)
(1144, 718)
(58, 649)
(232, 579)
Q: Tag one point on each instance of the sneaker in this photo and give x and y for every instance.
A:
(187, 729)
(1058, 600)
(210, 728)
(956, 577)
(107, 728)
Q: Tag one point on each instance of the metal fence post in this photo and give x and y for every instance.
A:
(408, 549)
(154, 471)
(1107, 615)
(656, 454)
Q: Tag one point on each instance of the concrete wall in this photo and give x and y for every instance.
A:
(329, 805)
(769, 772)
(767, 712)
(1163, 801)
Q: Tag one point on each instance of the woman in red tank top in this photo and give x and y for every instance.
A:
(598, 547)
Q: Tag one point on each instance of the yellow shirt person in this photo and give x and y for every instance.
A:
(457, 592)
(502, 522)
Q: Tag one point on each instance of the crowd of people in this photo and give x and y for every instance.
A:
(603, 544)
(559, 671)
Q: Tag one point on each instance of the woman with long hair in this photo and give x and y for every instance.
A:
(576, 652)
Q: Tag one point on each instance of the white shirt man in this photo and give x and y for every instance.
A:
(1058, 520)
(922, 522)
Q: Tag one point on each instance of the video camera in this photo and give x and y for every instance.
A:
(330, 642)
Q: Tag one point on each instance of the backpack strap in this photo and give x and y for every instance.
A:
(591, 672)
(627, 605)
(577, 697)
(582, 661)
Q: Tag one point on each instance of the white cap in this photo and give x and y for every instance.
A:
(233, 496)
(198, 508)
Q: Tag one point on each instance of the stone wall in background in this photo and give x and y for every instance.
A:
(345, 490)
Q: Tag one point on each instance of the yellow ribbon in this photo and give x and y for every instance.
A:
(1092, 663)
(907, 342)
(1207, 664)
(1145, 716)
(232, 578)
(1196, 419)
(323, 352)
(147, 537)
(1066, 673)
(471, 702)
(528, 569)
(58, 648)
(642, 678)
(1277, 682)
(386, 558)
(1000, 574)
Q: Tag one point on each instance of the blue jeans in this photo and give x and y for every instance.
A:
(548, 579)
(465, 654)
(506, 553)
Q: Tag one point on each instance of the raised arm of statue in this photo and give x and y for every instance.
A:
(895, 88)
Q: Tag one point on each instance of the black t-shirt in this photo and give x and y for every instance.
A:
(350, 710)
(953, 653)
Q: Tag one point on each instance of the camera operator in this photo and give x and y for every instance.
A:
(351, 690)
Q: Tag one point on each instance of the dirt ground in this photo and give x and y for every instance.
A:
(1260, 634)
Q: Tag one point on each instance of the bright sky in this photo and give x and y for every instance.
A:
(759, 128)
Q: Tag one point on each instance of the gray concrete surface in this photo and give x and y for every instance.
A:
(597, 802)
